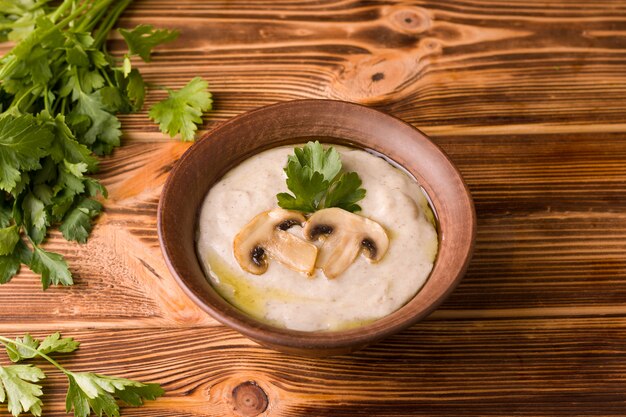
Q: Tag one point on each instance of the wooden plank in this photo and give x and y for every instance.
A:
(465, 63)
(487, 367)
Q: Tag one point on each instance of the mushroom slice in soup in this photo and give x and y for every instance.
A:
(345, 236)
(266, 236)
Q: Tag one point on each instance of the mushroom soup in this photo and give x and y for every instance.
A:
(327, 268)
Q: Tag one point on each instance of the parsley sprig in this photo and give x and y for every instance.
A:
(181, 111)
(60, 92)
(316, 181)
(86, 392)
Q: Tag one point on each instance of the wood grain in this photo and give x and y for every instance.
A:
(528, 100)
(464, 368)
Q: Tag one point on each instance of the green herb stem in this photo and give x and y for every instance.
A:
(61, 9)
(90, 21)
(15, 25)
(46, 100)
(70, 18)
(107, 78)
(106, 26)
(10, 66)
(17, 100)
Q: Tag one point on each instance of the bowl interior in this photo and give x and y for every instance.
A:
(330, 122)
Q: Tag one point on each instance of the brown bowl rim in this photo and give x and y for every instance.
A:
(304, 340)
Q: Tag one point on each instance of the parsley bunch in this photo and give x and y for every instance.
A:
(60, 91)
(314, 177)
(87, 391)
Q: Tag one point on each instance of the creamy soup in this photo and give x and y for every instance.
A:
(285, 298)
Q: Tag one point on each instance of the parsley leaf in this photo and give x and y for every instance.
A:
(136, 89)
(345, 192)
(313, 156)
(51, 266)
(5, 214)
(77, 223)
(8, 239)
(308, 187)
(9, 266)
(17, 386)
(22, 144)
(35, 217)
(104, 126)
(314, 177)
(53, 343)
(182, 110)
(144, 38)
(89, 391)
(65, 146)
(17, 352)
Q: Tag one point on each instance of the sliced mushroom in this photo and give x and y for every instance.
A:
(266, 236)
(345, 236)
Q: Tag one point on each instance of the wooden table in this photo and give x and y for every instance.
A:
(527, 98)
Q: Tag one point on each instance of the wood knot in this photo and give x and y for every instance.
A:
(378, 76)
(381, 78)
(412, 20)
(249, 399)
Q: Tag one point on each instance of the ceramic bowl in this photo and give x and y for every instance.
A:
(333, 122)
